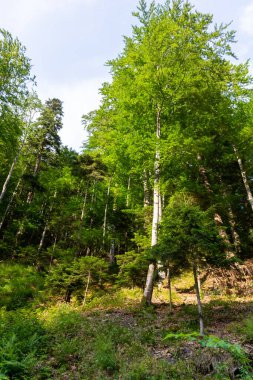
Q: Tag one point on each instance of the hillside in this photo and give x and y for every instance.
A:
(113, 336)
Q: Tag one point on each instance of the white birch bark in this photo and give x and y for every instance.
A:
(148, 291)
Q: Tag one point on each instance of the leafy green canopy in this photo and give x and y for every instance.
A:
(15, 76)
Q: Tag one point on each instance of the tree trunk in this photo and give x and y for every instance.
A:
(112, 253)
(244, 178)
(106, 210)
(15, 159)
(86, 288)
(84, 204)
(200, 311)
(42, 238)
(169, 288)
(9, 176)
(35, 173)
(52, 255)
(148, 291)
(67, 297)
(235, 235)
(46, 225)
(9, 204)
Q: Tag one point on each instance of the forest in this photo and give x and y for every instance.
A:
(132, 259)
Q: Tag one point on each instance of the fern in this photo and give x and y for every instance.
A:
(215, 342)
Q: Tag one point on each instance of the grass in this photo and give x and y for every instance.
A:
(114, 337)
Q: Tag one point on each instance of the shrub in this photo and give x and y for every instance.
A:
(18, 285)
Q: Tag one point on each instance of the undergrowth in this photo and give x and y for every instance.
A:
(113, 337)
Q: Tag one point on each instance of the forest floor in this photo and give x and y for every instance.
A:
(114, 337)
(128, 341)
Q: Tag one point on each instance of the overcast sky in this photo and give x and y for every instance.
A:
(69, 42)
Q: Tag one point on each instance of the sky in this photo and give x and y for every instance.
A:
(69, 42)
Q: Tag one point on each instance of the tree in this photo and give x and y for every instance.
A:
(171, 96)
(190, 238)
(15, 78)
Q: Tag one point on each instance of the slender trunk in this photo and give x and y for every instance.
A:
(156, 202)
(200, 311)
(112, 253)
(35, 173)
(169, 288)
(67, 297)
(92, 201)
(46, 225)
(84, 203)
(79, 243)
(9, 204)
(199, 282)
(244, 178)
(148, 291)
(9, 176)
(52, 255)
(42, 237)
(235, 235)
(86, 288)
(105, 212)
(16, 159)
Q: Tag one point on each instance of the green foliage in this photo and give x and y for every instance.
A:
(105, 354)
(246, 329)
(74, 277)
(178, 336)
(189, 234)
(22, 342)
(132, 269)
(19, 285)
(214, 342)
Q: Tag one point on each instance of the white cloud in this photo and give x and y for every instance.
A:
(18, 15)
(245, 21)
(78, 99)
